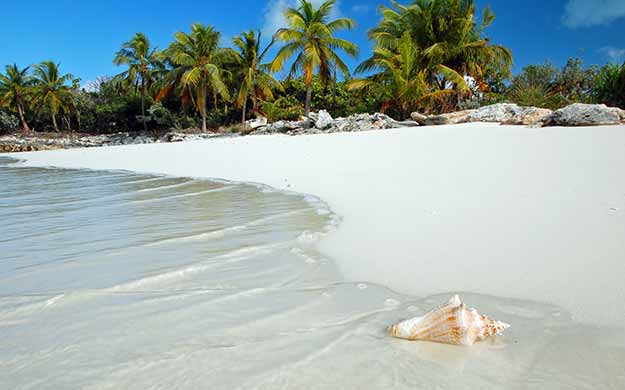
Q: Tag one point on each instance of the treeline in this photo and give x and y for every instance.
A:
(550, 87)
(429, 55)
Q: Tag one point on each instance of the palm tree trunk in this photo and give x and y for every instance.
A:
(67, 123)
(255, 103)
(145, 126)
(335, 80)
(204, 108)
(244, 111)
(20, 111)
(56, 127)
(308, 98)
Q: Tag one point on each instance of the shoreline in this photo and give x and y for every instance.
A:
(574, 115)
(266, 159)
(331, 318)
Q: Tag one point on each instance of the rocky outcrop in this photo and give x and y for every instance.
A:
(34, 142)
(322, 122)
(580, 114)
(511, 114)
(419, 118)
(9, 147)
(529, 116)
(618, 111)
(500, 112)
(181, 137)
(260, 121)
(451, 118)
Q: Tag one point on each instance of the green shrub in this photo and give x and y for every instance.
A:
(549, 87)
(187, 122)
(284, 108)
(609, 86)
(8, 122)
(536, 96)
(162, 117)
(493, 98)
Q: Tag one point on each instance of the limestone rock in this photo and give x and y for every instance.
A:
(580, 114)
(451, 118)
(419, 118)
(324, 120)
(260, 121)
(36, 142)
(311, 125)
(620, 112)
(529, 116)
(500, 112)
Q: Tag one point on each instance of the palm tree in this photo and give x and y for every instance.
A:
(198, 60)
(51, 89)
(403, 82)
(256, 82)
(15, 86)
(310, 38)
(144, 63)
(446, 37)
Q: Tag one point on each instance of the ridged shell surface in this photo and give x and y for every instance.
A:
(452, 323)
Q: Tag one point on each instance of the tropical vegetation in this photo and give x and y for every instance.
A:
(199, 67)
(144, 67)
(428, 55)
(425, 54)
(310, 38)
(14, 91)
(256, 81)
(52, 91)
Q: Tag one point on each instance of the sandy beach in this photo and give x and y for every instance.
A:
(526, 224)
(481, 208)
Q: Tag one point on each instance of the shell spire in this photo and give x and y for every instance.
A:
(452, 323)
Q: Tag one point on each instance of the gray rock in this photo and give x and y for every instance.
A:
(324, 120)
(357, 122)
(530, 116)
(142, 139)
(500, 112)
(260, 121)
(313, 116)
(419, 118)
(620, 112)
(451, 118)
(279, 127)
(305, 123)
(580, 114)
(407, 123)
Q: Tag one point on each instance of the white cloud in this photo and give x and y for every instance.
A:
(587, 13)
(361, 8)
(274, 18)
(613, 54)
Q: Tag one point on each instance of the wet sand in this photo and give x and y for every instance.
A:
(526, 224)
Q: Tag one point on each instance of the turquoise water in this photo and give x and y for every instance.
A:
(116, 280)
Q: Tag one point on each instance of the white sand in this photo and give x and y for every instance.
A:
(528, 225)
(536, 214)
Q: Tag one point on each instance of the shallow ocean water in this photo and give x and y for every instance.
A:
(116, 280)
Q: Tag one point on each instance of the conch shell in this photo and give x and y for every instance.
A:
(452, 323)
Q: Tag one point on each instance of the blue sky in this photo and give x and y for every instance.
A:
(83, 35)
